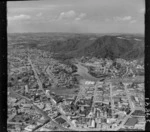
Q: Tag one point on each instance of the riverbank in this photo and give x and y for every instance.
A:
(83, 72)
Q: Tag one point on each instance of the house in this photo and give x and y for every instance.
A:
(66, 124)
(92, 125)
(26, 89)
(30, 128)
(60, 120)
(43, 129)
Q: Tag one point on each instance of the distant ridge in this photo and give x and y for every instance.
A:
(104, 47)
(126, 46)
(112, 47)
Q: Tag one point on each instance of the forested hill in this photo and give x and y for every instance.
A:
(76, 45)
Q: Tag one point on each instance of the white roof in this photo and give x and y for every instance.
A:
(44, 129)
(30, 127)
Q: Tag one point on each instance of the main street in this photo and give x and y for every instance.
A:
(36, 76)
(50, 74)
(94, 94)
(127, 70)
(129, 99)
(80, 94)
(111, 97)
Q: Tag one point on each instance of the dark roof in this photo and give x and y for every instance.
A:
(138, 113)
(60, 120)
(57, 99)
(83, 112)
(122, 129)
(88, 102)
(131, 122)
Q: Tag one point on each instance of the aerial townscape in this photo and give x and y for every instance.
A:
(57, 84)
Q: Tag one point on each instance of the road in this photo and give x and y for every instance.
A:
(36, 76)
(51, 76)
(80, 93)
(111, 97)
(127, 70)
(129, 99)
(95, 90)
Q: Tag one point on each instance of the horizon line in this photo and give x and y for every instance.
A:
(73, 33)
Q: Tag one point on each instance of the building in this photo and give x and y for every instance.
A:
(44, 129)
(131, 122)
(47, 93)
(139, 126)
(60, 120)
(26, 89)
(66, 125)
(30, 128)
(92, 124)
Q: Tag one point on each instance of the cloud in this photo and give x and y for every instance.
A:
(19, 17)
(80, 16)
(122, 19)
(39, 14)
(69, 14)
(133, 21)
(125, 18)
(142, 10)
(33, 8)
(72, 15)
(77, 19)
(107, 20)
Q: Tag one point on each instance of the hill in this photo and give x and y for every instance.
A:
(113, 47)
(102, 47)
(77, 45)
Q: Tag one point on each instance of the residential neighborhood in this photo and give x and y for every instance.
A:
(113, 102)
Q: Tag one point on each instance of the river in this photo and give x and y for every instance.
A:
(83, 72)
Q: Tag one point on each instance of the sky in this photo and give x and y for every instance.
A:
(76, 16)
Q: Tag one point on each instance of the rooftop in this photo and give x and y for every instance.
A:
(131, 122)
